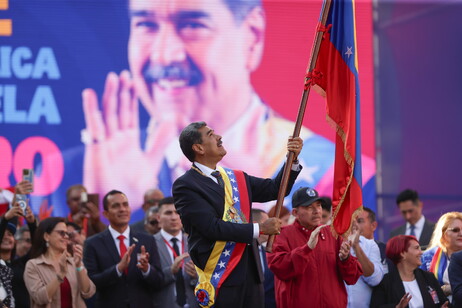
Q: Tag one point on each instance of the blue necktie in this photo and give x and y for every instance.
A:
(412, 230)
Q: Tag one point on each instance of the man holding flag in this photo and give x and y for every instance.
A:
(214, 205)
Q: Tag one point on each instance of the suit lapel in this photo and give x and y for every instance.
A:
(162, 248)
(208, 182)
(108, 241)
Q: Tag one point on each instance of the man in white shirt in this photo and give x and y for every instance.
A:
(368, 254)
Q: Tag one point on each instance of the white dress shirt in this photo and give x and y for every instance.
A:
(168, 237)
(359, 294)
(418, 227)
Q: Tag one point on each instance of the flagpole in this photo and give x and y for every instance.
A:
(301, 113)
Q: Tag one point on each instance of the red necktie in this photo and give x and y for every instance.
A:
(123, 248)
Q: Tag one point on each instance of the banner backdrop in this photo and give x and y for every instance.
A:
(96, 92)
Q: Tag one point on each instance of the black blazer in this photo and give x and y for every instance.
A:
(391, 289)
(131, 289)
(425, 237)
(200, 202)
(455, 278)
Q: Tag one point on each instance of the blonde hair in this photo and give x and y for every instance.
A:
(441, 227)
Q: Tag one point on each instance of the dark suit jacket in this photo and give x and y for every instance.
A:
(138, 227)
(268, 284)
(200, 203)
(425, 237)
(165, 297)
(131, 289)
(455, 278)
(391, 289)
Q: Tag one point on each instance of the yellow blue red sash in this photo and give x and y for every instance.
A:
(225, 255)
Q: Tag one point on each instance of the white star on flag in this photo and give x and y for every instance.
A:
(229, 172)
(236, 199)
(233, 180)
(234, 188)
(216, 276)
(349, 51)
(221, 264)
(308, 174)
(227, 253)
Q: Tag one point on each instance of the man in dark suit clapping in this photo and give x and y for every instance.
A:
(214, 205)
(124, 265)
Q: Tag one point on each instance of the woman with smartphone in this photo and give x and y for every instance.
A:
(54, 278)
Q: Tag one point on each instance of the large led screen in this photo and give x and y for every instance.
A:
(96, 92)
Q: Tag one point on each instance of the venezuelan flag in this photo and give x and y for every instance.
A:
(337, 75)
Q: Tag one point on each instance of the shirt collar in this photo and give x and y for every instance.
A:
(419, 224)
(168, 237)
(205, 170)
(115, 233)
(43, 259)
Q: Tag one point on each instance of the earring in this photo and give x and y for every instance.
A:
(47, 244)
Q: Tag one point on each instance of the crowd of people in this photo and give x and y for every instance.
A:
(204, 246)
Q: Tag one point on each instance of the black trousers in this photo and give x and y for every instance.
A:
(249, 294)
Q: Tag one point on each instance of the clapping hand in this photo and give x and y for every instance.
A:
(143, 261)
(404, 301)
(78, 250)
(178, 262)
(125, 261)
(313, 241)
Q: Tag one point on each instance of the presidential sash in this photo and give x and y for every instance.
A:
(225, 255)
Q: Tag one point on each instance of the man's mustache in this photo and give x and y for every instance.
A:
(186, 70)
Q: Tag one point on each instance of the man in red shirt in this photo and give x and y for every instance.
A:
(310, 266)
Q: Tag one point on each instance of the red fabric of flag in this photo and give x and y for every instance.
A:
(337, 75)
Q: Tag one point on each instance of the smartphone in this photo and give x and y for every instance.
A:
(94, 198)
(28, 175)
(83, 197)
(22, 201)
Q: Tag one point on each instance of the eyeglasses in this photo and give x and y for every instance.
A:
(153, 222)
(455, 230)
(62, 233)
(73, 233)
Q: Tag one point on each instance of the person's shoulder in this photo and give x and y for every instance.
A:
(398, 230)
(429, 276)
(183, 179)
(138, 224)
(96, 237)
(158, 236)
(457, 256)
(429, 223)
